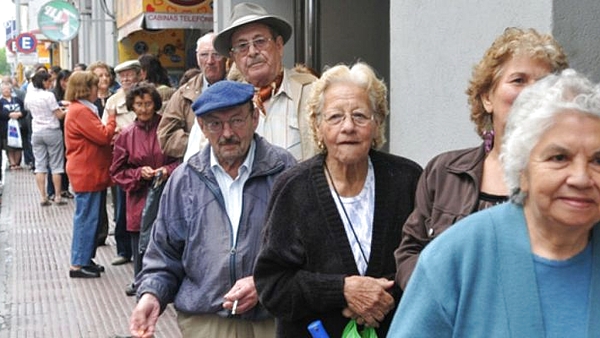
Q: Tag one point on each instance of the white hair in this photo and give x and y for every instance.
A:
(534, 111)
(208, 37)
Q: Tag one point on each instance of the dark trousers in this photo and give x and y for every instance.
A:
(121, 235)
(102, 230)
(64, 184)
(26, 134)
(137, 256)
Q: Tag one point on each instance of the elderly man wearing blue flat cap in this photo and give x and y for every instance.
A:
(208, 230)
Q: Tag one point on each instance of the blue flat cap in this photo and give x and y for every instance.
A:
(222, 95)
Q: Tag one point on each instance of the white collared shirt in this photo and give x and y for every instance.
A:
(205, 83)
(233, 189)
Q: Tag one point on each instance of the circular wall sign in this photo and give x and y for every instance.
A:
(11, 45)
(26, 43)
(58, 20)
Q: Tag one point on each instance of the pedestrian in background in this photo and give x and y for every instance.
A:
(153, 72)
(79, 67)
(105, 79)
(11, 108)
(60, 86)
(47, 139)
(89, 154)
(54, 70)
(178, 116)
(129, 73)
(27, 149)
(137, 159)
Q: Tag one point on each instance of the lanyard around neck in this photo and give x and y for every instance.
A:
(346, 214)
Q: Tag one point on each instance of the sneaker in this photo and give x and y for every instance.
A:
(130, 290)
(120, 260)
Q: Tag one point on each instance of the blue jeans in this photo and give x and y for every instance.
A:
(85, 224)
(121, 234)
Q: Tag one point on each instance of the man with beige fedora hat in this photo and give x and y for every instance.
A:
(254, 40)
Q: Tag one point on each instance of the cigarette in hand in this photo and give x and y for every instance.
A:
(234, 307)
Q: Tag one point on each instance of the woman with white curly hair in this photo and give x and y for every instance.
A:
(334, 220)
(530, 267)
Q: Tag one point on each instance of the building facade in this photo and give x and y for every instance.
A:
(424, 51)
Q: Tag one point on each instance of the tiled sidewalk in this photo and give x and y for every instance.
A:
(37, 297)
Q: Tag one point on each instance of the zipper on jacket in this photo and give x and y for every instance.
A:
(217, 193)
(232, 274)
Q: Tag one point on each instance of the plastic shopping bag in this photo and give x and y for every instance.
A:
(351, 331)
(150, 211)
(14, 134)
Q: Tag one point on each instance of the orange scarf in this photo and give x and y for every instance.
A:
(262, 94)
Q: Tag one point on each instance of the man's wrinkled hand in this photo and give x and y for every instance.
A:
(243, 295)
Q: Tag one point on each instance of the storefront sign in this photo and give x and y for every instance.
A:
(178, 20)
(128, 11)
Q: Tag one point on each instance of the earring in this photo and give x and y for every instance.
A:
(488, 134)
(321, 145)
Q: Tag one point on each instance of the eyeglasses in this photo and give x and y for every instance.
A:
(146, 105)
(216, 126)
(206, 56)
(259, 43)
(359, 119)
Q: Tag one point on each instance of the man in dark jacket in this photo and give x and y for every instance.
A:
(208, 229)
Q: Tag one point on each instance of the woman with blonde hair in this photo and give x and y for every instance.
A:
(105, 79)
(89, 154)
(458, 183)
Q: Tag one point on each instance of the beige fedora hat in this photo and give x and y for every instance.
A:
(245, 13)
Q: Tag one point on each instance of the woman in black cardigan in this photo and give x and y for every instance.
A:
(335, 220)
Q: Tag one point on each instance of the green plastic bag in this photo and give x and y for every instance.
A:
(351, 331)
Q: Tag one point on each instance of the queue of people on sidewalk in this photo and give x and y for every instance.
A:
(255, 198)
(342, 230)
